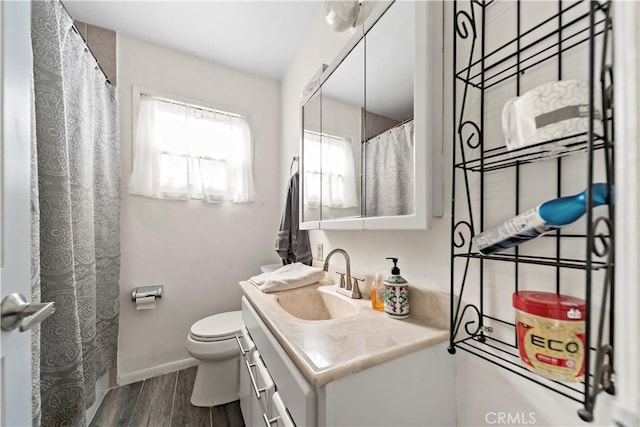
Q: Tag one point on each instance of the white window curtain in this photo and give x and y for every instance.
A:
(185, 152)
(330, 159)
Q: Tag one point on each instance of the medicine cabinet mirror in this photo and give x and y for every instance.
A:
(372, 132)
(311, 160)
(342, 103)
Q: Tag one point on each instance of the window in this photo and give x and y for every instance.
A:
(337, 171)
(186, 152)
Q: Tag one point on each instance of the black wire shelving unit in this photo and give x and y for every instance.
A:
(474, 328)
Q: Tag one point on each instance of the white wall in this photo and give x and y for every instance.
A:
(626, 15)
(424, 255)
(198, 251)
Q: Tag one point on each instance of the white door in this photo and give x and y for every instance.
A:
(15, 134)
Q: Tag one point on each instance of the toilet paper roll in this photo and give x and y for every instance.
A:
(146, 303)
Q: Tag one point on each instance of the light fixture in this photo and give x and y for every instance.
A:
(342, 15)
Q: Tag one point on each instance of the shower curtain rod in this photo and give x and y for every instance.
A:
(405, 121)
(86, 45)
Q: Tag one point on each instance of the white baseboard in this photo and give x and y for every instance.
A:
(155, 371)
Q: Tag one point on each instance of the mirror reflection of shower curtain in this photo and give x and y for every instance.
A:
(389, 172)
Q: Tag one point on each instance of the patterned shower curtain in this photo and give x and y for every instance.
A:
(78, 204)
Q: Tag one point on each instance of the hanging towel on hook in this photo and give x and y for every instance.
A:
(292, 244)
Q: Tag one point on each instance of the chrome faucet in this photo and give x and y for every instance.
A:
(345, 288)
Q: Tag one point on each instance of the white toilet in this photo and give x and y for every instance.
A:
(212, 341)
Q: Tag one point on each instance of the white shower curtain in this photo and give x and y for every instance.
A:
(76, 214)
(389, 172)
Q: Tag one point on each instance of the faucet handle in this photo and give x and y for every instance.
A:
(355, 289)
(342, 283)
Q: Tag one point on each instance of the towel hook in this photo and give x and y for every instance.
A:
(294, 160)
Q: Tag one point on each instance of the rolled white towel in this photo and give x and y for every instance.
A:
(290, 276)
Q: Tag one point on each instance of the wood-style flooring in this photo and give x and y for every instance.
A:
(163, 401)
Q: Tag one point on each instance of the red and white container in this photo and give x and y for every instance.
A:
(551, 334)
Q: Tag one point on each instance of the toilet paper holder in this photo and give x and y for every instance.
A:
(147, 291)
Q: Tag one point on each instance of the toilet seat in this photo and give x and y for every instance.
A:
(219, 327)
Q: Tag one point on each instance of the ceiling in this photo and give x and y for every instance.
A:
(259, 37)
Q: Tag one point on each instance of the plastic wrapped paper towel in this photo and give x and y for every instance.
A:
(556, 110)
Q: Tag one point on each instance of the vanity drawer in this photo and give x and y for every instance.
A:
(247, 348)
(293, 388)
(279, 414)
(245, 343)
(265, 386)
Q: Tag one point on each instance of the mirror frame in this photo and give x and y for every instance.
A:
(428, 156)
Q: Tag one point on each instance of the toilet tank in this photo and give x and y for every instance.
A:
(269, 268)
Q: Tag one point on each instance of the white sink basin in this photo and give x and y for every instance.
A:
(316, 304)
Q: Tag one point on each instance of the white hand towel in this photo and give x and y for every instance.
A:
(290, 276)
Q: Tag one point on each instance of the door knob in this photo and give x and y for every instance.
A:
(16, 312)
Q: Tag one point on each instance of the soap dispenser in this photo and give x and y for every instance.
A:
(377, 293)
(396, 294)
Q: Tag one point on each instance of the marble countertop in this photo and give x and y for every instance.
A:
(330, 349)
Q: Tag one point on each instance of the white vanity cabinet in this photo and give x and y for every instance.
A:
(297, 395)
(414, 389)
(258, 399)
